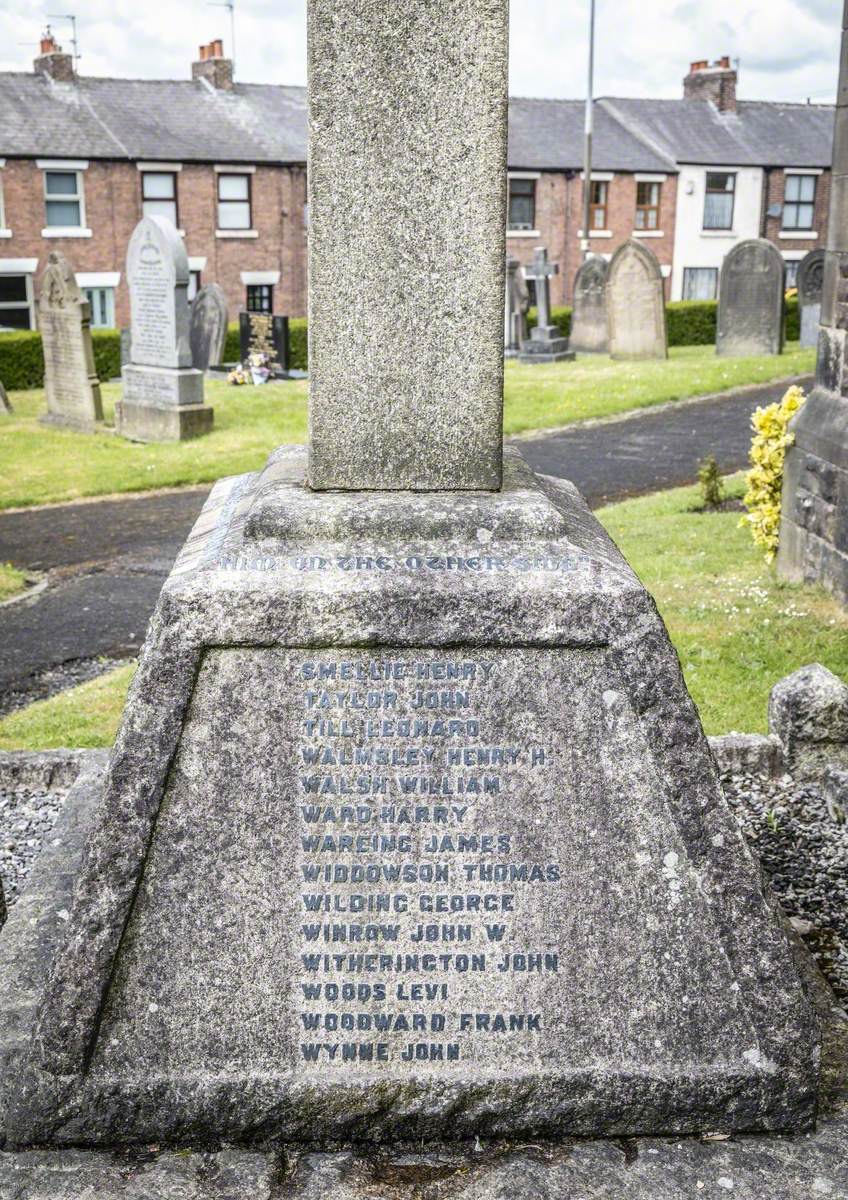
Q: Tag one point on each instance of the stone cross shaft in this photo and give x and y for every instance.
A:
(407, 203)
(541, 271)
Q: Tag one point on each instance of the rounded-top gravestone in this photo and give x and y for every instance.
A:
(158, 277)
(64, 320)
(208, 328)
(750, 300)
(589, 333)
(810, 283)
(636, 304)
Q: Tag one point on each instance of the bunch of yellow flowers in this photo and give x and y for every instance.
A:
(765, 479)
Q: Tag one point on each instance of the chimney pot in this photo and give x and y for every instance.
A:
(716, 83)
(52, 61)
(213, 66)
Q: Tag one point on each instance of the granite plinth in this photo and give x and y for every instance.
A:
(411, 835)
(554, 350)
(162, 387)
(162, 423)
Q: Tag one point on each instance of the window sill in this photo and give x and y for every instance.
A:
(799, 235)
(523, 233)
(718, 233)
(236, 233)
(5, 233)
(596, 233)
(648, 233)
(65, 231)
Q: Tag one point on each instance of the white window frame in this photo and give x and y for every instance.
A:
(26, 267)
(67, 166)
(248, 231)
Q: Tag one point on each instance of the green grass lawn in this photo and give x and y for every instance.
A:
(40, 464)
(12, 581)
(736, 628)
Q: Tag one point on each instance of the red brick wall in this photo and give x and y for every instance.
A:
(559, 220)
(113, 208)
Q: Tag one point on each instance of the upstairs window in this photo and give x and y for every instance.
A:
(159, 195)
(799, 207)
(234, 202)
(522, 204)
(718, 203)
(260, 297)
(598, 204)
(63, 200)
(648, 205)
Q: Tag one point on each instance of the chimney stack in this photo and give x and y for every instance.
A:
(213, 67)
(715, 82)
(52, 61)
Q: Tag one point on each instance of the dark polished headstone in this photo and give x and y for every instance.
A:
(810, 285)
(589, 326)
(208, 327)
(751, 300)
(264, 333)
(636, 304)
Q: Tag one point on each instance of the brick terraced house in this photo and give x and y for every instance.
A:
(83, 158)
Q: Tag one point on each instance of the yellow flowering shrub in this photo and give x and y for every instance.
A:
(765, 478)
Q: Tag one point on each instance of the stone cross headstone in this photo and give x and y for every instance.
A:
(546, 343)
(208, 327)
(71, 386)
(751, 291)
(264, 333)
(810, 283)
(814, 514)
(636, 304)
(162, 398)
(410, 828)
(516, 307)
(589, 332)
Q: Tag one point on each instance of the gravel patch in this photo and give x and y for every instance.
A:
(50, 682)
(26, 817)
(801, 839)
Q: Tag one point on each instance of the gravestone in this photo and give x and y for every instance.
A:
(5, 402)
(636, 304)
(814, 501)
(546, 344)
(71, 386)
(589, 332)
(162, 398)
(810, 282)
(516, 307)
(262, 333)
(750, 300)
(208, 327)
(410, 829)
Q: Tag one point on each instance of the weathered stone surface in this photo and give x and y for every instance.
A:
(126, 346)
(636, 304)
(162, 396)
(71, 386)
(598, 903)
(208, 326)
(546, 344)
(406, 243)
(748, 754)
(589, 325)
(810, 283)
(750, 300)
(808, 710)
(262, 333)
(516, 307)
(5, 402)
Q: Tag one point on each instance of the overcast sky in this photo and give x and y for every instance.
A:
(788, 49)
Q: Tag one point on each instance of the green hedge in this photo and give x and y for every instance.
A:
(22, 362)
(297, 344)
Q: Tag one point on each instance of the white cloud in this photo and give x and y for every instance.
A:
(788, 48)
